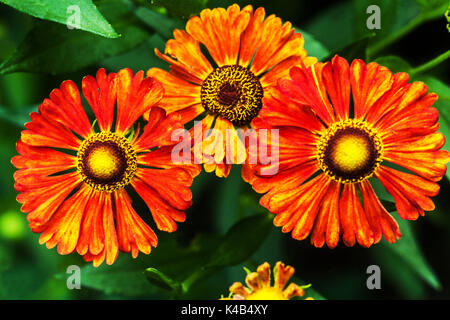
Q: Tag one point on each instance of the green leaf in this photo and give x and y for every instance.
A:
(52, 48)
(61, 11)
(407, 250)
(182, 8)
(241, 241)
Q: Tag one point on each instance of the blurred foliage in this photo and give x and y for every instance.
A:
(226, 229)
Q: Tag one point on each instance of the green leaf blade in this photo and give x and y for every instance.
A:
(91, 20)
(52, 48)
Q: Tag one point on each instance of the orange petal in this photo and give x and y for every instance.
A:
(135, 96)
(213, 26)
(369, 82)
(251, 37)
(178, 93)
(411, 193)
(92, 235)
(327, 227)
(64, 227)
(429, 165)
(381, 222)
(278, 42)
(298, 208)
(306, 88)
(279, 110)
(133, 233)
(414, 100)
(164, 214)
(389, 99)
(336, 78)
(171, 184)
(65, 107)
(282, 274)
(354, 223)
(44, 197)
(159, 130)
(45, 132)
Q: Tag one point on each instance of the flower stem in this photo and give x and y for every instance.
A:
(420, 19)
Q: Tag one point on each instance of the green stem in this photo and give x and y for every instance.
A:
(422, 18)
(431, 64)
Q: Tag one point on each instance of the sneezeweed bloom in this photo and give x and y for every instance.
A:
(75, 183)
(259, 285)
(247, 52)
(329, 151)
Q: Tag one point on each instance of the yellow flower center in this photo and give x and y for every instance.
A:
(232, 92)
(350, 151)
(106, 161)
(267, 293)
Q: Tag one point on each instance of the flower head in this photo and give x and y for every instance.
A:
(259, 284)
(75, 183)
(247, 52)
(330, 151)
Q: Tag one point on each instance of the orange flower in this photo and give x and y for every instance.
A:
(260, 288)
(328, 151)
(248, 54)
(72, 179)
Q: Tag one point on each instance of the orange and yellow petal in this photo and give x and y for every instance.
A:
(135, 96)
(179, 94)
(228, 23)
(63, 229)
(45, 132)
(159, 130)
(381, 222)
(168, 202)
(65, 107)
(411, 193)
(259, 284)
(133, 234)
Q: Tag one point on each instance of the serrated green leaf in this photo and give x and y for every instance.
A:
(52, 48)
(61, 11)
(407, 249)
